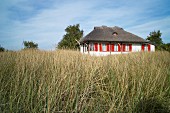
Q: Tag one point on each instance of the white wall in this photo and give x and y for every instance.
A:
(152, 47)
(81, 48)
(135, 48)
(99, 53)
(96, 53)
(138, 47)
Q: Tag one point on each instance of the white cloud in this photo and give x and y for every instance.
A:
(47, 26)
(143, 30)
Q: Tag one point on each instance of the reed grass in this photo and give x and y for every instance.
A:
(66, 81)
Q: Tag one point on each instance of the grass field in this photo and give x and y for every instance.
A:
(69, 82)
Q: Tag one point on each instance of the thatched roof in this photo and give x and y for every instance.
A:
(111, 34)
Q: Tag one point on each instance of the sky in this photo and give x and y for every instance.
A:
(44, 21)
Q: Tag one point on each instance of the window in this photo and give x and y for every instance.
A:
(104, 47)
(146, 47)
(115, 33)
(85, 47)
(127, 47)
(115, 47)
(91, 47)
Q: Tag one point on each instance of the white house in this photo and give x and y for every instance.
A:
(113, 40)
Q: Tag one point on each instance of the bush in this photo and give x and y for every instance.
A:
(2, 49)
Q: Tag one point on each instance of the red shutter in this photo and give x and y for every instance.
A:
(112, 47)
(143, 47)
(149, 47)
(119, 47)
(100, 47)
(96, 46)
(108, 47)
(130, 47)
(124, 45)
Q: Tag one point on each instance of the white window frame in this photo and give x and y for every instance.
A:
(145, 47)
(91, 47)
(84, 48)
(104, 47)
(127, 47)
(115, 47)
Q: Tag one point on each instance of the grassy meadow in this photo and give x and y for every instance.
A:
(66, 81)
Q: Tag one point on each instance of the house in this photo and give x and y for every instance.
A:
(113, 40)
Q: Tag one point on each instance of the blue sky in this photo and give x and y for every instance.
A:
(44, 21)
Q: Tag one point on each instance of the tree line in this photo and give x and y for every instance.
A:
(73, 35)
(155, 38)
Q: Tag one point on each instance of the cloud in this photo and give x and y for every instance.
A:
(143, 30)
(44, 21)
(46, 27)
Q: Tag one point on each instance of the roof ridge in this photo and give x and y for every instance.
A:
(103, 26)
(117, 27)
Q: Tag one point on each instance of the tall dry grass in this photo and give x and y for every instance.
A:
(67, 81)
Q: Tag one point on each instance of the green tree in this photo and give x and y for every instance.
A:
(69, 41)
(30, 45)
(166, 47)
(155, 38)
(2, 49)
